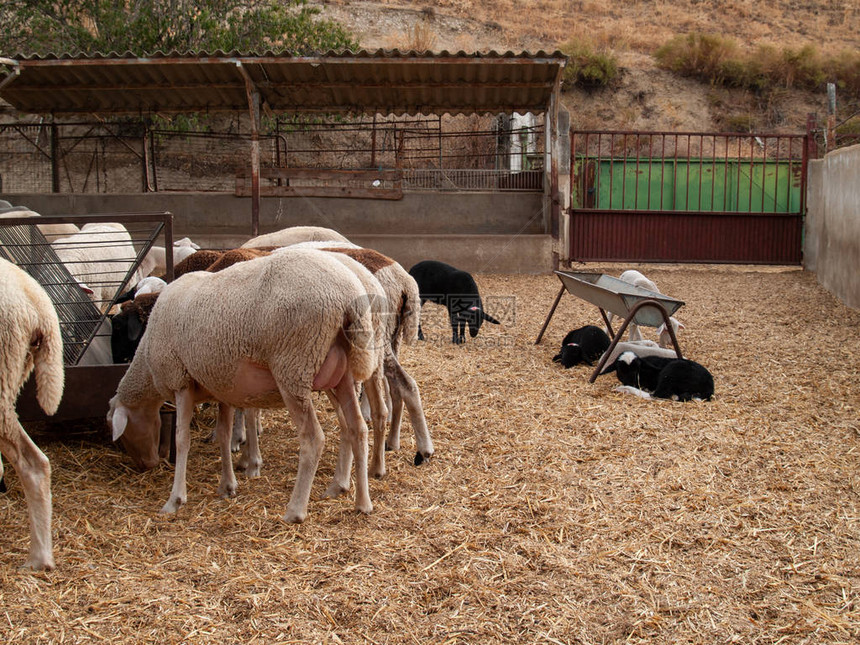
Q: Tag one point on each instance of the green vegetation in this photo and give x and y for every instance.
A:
(587, 67)
(720, 62)
(147, 26)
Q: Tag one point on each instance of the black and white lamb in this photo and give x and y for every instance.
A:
(663, 378)
(582, 345)
(457, 291)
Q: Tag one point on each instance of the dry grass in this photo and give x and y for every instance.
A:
(555, 511)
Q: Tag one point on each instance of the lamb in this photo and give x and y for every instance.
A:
(582, 345)
(640, 348)
(311, 331)
(295, 235)
(445, 285)
(401, 292)
(637, 279)
(31, 342)
(667, 378)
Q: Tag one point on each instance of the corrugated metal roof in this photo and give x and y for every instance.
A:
(384, 81)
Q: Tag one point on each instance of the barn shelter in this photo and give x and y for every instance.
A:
(387, 82)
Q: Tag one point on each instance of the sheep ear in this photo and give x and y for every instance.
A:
(119, 422)
(490, 319)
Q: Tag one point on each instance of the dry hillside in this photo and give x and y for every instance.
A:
(645, 97)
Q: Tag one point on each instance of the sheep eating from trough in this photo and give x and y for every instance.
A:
(664, 378)
(295, 235)
(31, 342)
(582, 345)
(261, 334)
(457, 291)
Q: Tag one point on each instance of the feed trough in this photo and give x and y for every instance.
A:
(631, 303)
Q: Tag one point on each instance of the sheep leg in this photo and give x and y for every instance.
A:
(2, 480)
(393, 440)
(311, 442)
(240, 434)
(224, 431)
(374, 388)
(184, 412)
(251, 460)
(404, 388)
(340, 482)
(357, 434)
(34, 471)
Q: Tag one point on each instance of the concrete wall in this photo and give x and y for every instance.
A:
(479, 232)
(831, 247)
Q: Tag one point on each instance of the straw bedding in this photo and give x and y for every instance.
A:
(554, 511)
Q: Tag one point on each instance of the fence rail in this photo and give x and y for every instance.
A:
(440, 153)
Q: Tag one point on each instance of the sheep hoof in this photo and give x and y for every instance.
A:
(38, 564)
(419, 459)
(172, 505)
(365, 507)
(335, 490)
(227, 491)
(294, 517)
(3, 488)
(252, 471)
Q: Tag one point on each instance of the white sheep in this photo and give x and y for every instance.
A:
(637, 279)
(50, 231)
(155, 261)
(99, 256)
(295, 235)
(311, 330)
(31, 342)
(404, 305)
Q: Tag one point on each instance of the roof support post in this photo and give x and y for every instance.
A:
(254, 109)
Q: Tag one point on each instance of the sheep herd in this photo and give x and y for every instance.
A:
(258, 327)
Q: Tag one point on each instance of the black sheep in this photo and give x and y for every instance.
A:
(457, 291)
(582, 345)
(666, 378)
(128, 326)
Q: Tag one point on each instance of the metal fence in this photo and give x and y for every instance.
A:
(435, 153)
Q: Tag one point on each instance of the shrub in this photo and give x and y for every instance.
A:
(586, 67)
(719, 61)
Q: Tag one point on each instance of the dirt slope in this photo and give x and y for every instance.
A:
(644, 97)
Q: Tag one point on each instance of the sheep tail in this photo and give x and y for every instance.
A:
(48, 372)
(359, 332)
(410, 315)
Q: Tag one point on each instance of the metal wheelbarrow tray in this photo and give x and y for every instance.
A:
(633, 304)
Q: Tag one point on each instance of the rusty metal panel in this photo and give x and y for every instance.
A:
(685, 237)
(384, 81)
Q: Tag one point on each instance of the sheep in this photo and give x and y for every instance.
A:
(128, 326)
(666, 378)
(445, 285)
(155, 260)
(31, 342)
(401, 292)
(51, 232)
(99, 256)
(197, 261)
(640, 348)
(582, 345)
(637, 279)
(295, 235)
(311, 330)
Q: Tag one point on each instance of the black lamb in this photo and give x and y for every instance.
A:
(582, 345)
(665, 378)
(457, 291)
